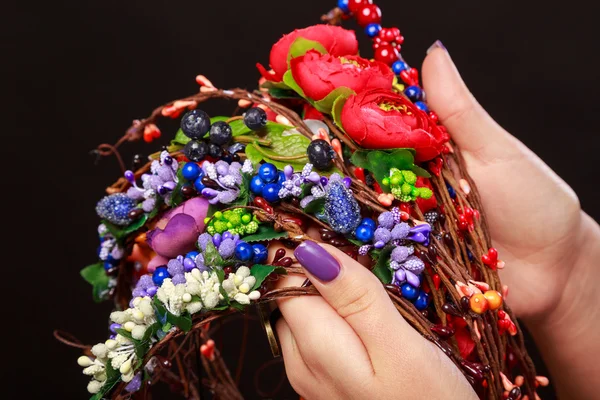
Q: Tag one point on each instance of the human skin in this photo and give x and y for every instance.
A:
(351, 343)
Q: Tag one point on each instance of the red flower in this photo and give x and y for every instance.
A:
(319, 74)
(380, 119)
(337, 41)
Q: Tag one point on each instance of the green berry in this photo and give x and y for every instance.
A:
(425, 193)
(246, 218)
(220, 226)
(239, 211)
(211, 229)
(385, 181)
(252, 227)
(410, 177)
(406, 189)
(396, 180)
(235, 219)
(218, 215)
(415, 192)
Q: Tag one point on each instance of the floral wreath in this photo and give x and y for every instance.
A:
(329, 139)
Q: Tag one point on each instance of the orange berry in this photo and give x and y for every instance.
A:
(478, 303)
(494, 299)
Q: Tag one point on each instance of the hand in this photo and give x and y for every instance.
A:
(352, 343)
(534, 217)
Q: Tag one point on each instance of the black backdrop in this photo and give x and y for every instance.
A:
(80, 71)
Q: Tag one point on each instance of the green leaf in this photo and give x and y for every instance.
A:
(261, 272)
(380, 162)
(183, 321)
(237, 306)
(301, 46)
(279, 93)
(95, 275)
(121, 233)
(336, 110)
(113, 377)
(289, 80)
(265, 232)
(244, 196)
(160, 310)
(355, 242)
(315, 206)
(381, 269)
(212, 258)
(325, 105)
(177, 196)
(420, 171)
(221, 275)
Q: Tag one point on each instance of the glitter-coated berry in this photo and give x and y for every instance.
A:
(255, 118)
(268, 173)
(159, 275)
(195, 150)
(320, 154)
(195, 124)
(115, 208)
(191, 171)
(220, 133)
(431, 217)
(368, 14)
(341, 209)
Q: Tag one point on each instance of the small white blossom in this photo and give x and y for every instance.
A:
(210, 170)
(238, 285)
(172, 296)
(247, 168)
(204, 285)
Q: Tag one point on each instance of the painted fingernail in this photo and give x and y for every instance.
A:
(436, 45)
(317, 261)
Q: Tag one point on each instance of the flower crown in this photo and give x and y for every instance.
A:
(329, 139)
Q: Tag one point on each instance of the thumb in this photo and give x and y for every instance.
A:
(470, 126)
(358, 297)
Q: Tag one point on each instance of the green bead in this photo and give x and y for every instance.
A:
(246, 218)
(218, 215)
(425, 193)
(211, 229)
(235, 220)
(220, 226)
(406, 189)
(385, 181)
(410, 177)
(252, 227)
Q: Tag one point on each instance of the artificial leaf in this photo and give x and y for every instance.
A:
(160, 310)
(238, 306)
(265, 232)
(261, 272)
(336, 110)
(274, 85)
(315, 206)
(183, 321)
(420, 171)
(212, 257)
(244, 195)
(325, 105)
(355, 241)
(301, 46)
(381, 269)
(121, 233)
(95, 275)
(289, 80)
(279, 93)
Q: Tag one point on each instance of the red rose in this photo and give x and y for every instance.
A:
(319, 74)
(380, 119)
(337, 41)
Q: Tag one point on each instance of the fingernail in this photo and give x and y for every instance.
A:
(436, 45)
(317, 261)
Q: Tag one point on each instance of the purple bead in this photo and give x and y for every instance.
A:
(210, 193)
(288, 170)
(170, 185)
(217, 239)
(400, 275)
(412, 279)
(113, 327)
(313, 177)
(138, 292)
(348, 182)
(180, 258)
(113, 337)
(236, 238)
(227, 235)
(129, 175)
(189, 264)
(420, 234)
(151, 291)
(168, 160)
(379, 245)
(324, 180)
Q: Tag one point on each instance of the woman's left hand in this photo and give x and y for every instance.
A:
(352, 343)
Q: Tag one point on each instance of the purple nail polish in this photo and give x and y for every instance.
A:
(436, 45)
(317, 261)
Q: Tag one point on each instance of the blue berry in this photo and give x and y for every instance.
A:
(422, 301)
(115, 208)
(320, 154)
(195, 124)
(399, 66)
(268, 173)
(191, 171)
(198, 185)
(414, 93)
(192, 254)
(372, 30)
(257, 185)
(159, 275)
(260, 253)
(220, 133)
(422, 106)
(369, 222)
(364, 233)
(409, 292)
(195, 150)
(255, 118)
(271, 192)
(343, 5)
(243, 251)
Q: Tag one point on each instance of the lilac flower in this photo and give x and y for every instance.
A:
(381, 237)
(175, 267)
(227, 176)
(399, 254)
(161, 181)
(386, 220)
(203, 240)
(178, 279)
(400, 231)
(227, 248)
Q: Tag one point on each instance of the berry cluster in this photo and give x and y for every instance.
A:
(402, 185)
(236, 221)
(267, 182)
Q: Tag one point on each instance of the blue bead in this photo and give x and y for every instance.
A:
(451, 191)
(399, 66)
(260, 253)
(409, 292)
(108, 266)
(271, 192)
(198, 185)
(159, 275)
(191, 171)
(364, 233)
(192, 255)
(372, 30)
(369, 222)
(343, 5)
(256, 185)
(268, 173)
(414, 93)
(422, 301)
(422, 106)
(243, 251)
(281, 178)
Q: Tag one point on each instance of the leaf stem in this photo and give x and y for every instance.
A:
(250, 139)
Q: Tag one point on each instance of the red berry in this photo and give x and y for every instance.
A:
(386, 54)
(355, 5)
(368, 14)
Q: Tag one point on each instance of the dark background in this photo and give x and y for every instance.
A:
(78, 72)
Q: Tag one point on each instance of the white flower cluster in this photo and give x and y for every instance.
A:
(179, 298)
(120, 351)
(238, 285)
